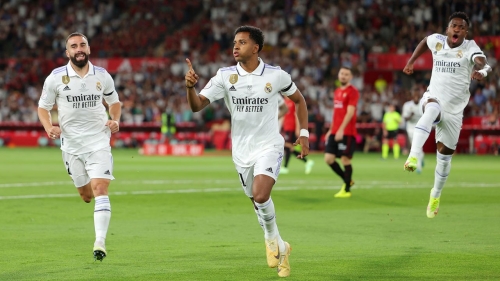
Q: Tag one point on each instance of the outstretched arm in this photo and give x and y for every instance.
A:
(195, 101)
(421, 48)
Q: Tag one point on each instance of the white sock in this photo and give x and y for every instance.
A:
(268, 216)
(261, 222)
(443, 167)
(424, 127)
(102, 215)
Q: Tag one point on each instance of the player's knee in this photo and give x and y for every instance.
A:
(261, 198)
(329, 159)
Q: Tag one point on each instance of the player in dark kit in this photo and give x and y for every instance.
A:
(340, 138)
(290, 129)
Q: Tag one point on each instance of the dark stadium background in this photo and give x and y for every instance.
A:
(143, 44)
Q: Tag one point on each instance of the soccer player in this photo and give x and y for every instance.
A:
(341, 137)
(390, 128)
(290, 127)
(78, 89)
(251, 90)
(455, 61)
(411, 113)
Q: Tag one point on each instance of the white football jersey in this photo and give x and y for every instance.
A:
(81, 113)
(252, 100)
(451, 72)
(410, 108)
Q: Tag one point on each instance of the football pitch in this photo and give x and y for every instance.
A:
(187, 218)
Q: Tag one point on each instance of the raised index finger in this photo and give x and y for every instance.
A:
(189, 64)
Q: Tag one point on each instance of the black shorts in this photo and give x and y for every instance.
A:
(392, 135)
(346, 147)
(289, 136)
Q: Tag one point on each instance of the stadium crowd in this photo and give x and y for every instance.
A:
(308, 39)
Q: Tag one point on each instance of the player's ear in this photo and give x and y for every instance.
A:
(67, 53)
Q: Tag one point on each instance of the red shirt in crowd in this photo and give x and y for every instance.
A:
(289, 120)
(343, 97)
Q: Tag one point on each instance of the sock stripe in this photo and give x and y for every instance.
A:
(423, 129)
(102, 210)
(270, 218)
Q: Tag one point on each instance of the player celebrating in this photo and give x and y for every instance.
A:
(290, 129)
(411, 113)
(456, 61)
(341, 137)
(251, 92)
(78, 89)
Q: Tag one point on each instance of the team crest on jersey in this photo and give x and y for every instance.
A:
(233, 78)
(65, 79)
(460, 54)
(439, 46)
(98, 86)
(268, 88)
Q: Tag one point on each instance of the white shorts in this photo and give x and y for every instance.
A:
(268, 164)
(93, 165)
(448, 127)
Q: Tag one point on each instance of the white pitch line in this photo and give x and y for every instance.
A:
(359, 184)
(233, 189)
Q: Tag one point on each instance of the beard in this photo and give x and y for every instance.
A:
(80, 63)
(342, 83)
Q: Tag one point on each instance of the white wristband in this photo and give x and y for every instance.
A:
(304, 133)
(483, 72)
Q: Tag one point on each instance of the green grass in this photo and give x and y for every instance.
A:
(181, 218)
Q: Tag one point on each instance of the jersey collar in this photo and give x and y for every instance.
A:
(446, 46)
(258, 71)
(72, 73)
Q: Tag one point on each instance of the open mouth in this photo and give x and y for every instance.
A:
(454, 39)
(80, 56)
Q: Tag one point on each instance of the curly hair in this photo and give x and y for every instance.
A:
(255, 34)
(460, 15)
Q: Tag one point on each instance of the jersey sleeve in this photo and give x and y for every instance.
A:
(353, 97)
(110, 94)
(435, 41)
(214, 90)
(474, 51)
(48, 96)
(287, 86)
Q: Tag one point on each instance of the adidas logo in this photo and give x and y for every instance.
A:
(66, 88)
(232, 88)
(270, 170)
(107, 172)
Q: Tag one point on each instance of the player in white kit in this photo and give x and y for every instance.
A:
(78, 89)
(455, 62)
(411, 113)
(251, 90)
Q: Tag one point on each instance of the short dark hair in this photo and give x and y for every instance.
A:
(255, 34)
(460, 15)
(76, 34)
(346, 68)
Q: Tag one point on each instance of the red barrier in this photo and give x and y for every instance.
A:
(174, 150)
